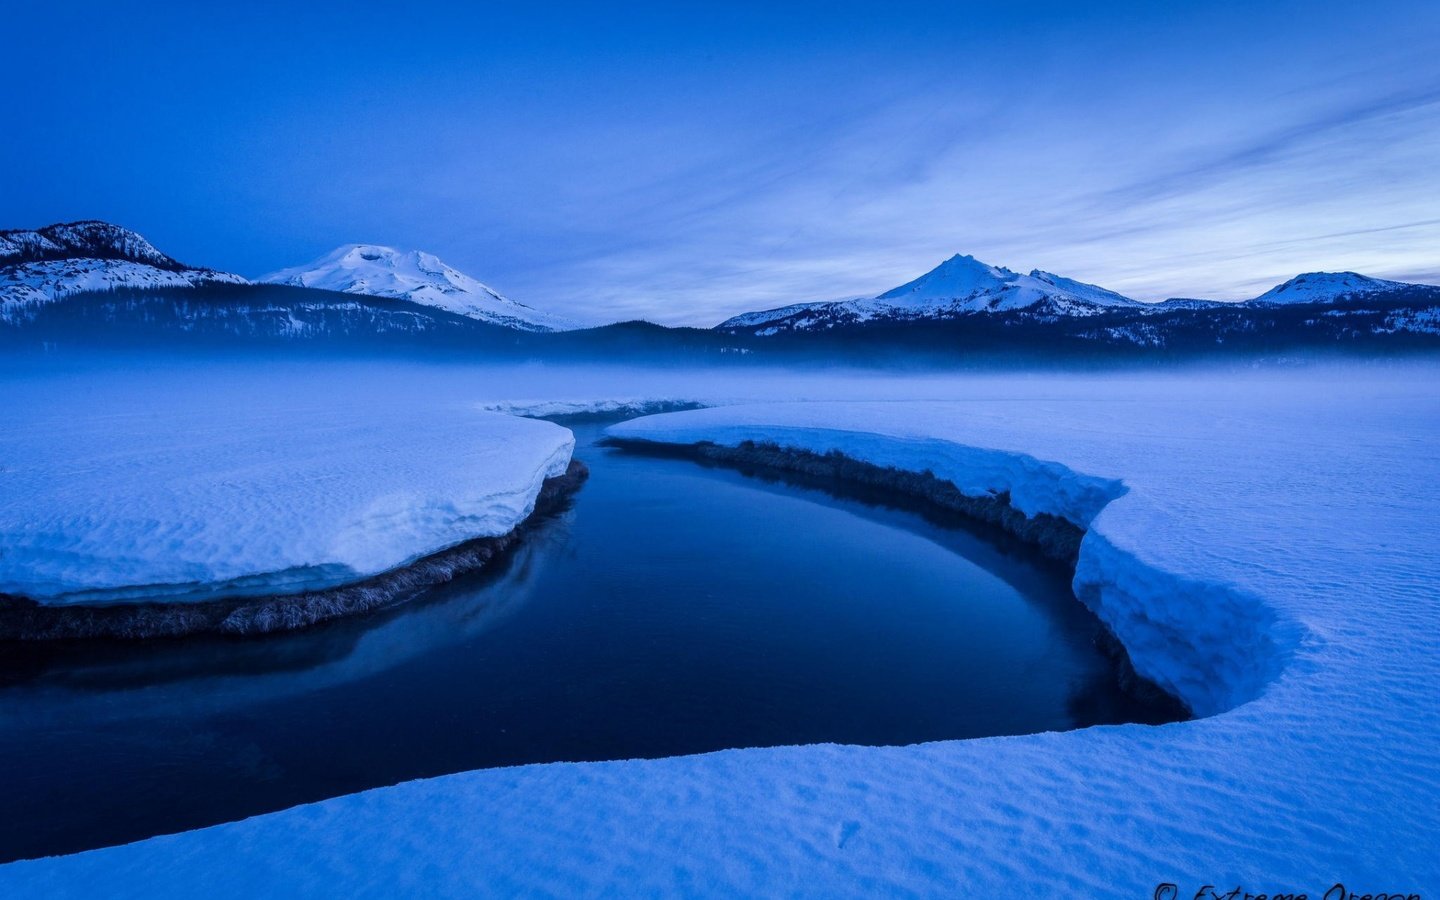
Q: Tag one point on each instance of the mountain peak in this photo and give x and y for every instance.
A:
(966, 280)
(961, 285)
(964, 262)
(85, 239)
(379, 271)
(959, 276)
(1326, 287)
(42, 265)
(369, 252)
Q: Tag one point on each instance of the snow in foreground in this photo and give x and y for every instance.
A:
(1269, 552)
(135, 502)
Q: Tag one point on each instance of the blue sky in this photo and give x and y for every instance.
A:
(683, 163)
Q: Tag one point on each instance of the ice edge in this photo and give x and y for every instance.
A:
(1208, 643)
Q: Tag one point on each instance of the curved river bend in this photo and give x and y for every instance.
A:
(672, 609)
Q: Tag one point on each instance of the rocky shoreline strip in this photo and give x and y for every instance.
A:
(23, 619)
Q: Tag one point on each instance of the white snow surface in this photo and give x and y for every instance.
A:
(1264, 544)
(240, 498)
(418, 277)
(1326, 287)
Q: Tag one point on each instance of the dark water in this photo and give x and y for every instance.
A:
(673, 609)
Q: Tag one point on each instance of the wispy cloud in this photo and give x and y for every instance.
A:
(643, 165)
(1229, 221)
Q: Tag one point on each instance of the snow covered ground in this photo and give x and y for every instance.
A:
(249, 493)
(1265, 544)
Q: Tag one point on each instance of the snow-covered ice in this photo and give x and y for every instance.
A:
(243, 496)
(988, 451)
(1264, 544)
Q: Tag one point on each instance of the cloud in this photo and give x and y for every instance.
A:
(872, 200)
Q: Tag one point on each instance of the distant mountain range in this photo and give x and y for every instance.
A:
(87, 282)
(56, 262)
(962, 287)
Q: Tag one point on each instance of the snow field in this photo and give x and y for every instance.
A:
(250, 499)
(1265, 546)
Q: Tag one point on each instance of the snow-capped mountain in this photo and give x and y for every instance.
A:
(87, 239)
(1328, 287)
(89, 283)
(418, 277)
(961, 285)
(964, 289)
(47, 264)
(965, 284)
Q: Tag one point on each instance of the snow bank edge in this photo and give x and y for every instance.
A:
(1208, 643)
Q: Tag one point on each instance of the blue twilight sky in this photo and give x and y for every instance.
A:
(683, 162)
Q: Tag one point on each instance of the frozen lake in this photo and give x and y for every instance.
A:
(673, 609)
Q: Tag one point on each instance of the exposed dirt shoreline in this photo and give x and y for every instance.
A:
(24, 619)
(1054, 537)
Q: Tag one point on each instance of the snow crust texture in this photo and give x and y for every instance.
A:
(1267, 551)
(199, 503)
(418, 277)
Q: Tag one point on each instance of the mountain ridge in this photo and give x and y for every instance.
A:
(964, 286)
(379, 271)
(91, 281)
(44, 265)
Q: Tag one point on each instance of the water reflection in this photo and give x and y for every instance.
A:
(673, 609)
